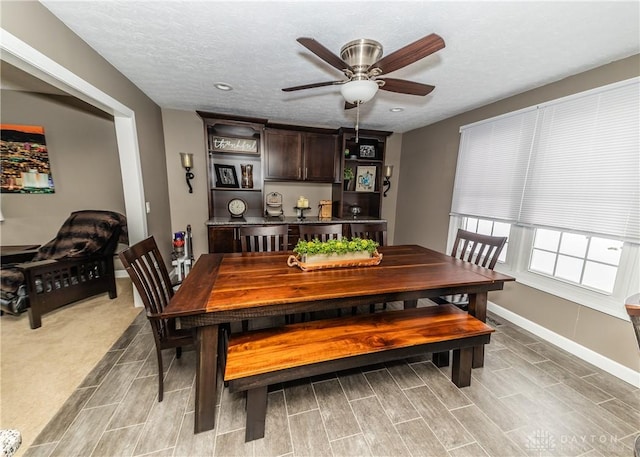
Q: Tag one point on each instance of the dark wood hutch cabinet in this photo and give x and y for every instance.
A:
(301, 156)
(285, 153)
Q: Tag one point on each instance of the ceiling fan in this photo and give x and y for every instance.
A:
(362, 63)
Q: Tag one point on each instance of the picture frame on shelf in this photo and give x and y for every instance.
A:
(226, 176)
(368, 151)
(366, 178)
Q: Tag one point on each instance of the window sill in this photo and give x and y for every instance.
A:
(584, 297)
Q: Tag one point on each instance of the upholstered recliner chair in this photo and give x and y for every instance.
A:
(76, 264)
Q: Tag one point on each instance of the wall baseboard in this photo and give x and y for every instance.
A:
(610, 366)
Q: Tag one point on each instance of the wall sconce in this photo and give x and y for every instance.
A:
(388, 172)
(187, 163)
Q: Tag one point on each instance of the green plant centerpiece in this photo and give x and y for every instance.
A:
(335, 253)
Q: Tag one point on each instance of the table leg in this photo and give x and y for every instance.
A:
(206, 378)
(478, 308)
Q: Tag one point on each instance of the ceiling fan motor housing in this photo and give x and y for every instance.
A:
(361, 54)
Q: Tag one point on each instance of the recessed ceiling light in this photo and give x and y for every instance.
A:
(396, 110)
(222, 86)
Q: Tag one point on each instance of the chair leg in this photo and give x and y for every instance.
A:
(178, 352)
(372, 308)
(440, 359)
(160, 375)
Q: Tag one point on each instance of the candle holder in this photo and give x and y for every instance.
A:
(388, 172)
(300, 210)
(186, 158)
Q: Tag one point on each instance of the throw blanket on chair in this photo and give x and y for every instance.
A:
(83, 234)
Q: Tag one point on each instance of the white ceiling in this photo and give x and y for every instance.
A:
(175, 51)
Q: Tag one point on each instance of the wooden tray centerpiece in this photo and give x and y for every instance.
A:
(317, 255)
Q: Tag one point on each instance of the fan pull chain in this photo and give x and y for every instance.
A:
(357, 118)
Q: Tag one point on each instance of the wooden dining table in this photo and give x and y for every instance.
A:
(224, 288)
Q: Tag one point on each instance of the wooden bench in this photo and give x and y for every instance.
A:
(260, 358)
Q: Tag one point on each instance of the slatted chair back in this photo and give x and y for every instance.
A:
(149, 275)
(376, 231)
(267, 238)
(483, 250)
(321, 232)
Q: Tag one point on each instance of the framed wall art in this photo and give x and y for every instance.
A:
(24, 160)
(219, 143)
(366, 179)
(226, 176)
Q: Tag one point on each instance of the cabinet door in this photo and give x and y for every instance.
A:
(222, 240)
(319, 157)
(283, 155)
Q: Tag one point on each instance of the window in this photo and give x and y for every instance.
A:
(589, 261)
(491, 228)
(589, 269)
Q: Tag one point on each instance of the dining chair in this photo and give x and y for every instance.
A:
(632, 305)
(376, 231)
(264, 238)
(482, 250)
(323, 232)
(149, 275)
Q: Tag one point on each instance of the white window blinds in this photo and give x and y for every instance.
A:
(492, 167)
(574, 166)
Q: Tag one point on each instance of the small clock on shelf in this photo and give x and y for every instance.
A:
(237, 207)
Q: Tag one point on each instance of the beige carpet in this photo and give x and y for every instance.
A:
(39, 369)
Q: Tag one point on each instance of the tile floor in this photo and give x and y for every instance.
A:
(531, 399)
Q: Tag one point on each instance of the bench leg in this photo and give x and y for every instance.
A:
(440, 359)
(461, 367)
(256, 413)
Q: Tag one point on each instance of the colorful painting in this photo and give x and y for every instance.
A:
(24, 160)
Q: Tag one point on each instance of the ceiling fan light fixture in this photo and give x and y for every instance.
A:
(359, 91)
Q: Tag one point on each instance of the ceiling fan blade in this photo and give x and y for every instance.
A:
(322, 52)
(405, 87)
(311, 86)
(348, 105)
(410, 53)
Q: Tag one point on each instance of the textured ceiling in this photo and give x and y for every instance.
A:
(176, 51)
